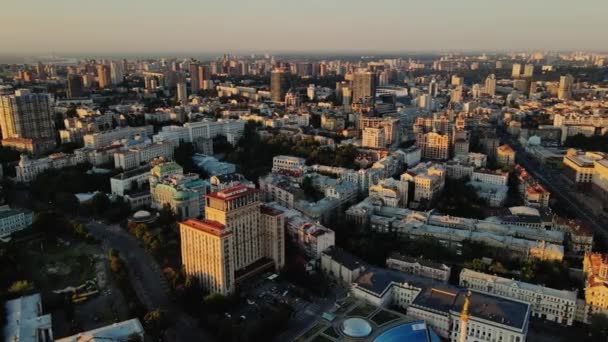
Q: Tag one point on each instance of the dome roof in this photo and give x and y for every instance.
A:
(142, 214)
(356, 327)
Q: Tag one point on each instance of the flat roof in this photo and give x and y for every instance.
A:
(232, 192)
(207, 226)
(23, 319)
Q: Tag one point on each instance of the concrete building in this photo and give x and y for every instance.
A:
(564, 92)
(546, 303)
(279, 84)
(25, 321)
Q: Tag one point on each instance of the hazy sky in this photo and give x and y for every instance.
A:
(202, 26)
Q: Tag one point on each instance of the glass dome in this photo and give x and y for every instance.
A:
(356, 327)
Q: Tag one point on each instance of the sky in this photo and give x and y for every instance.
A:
(233, 26)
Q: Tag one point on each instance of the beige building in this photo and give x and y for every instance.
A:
(390, 125)
(373, 138)
(206, 249)
(579, 166)
(595, 267)
(428, 179)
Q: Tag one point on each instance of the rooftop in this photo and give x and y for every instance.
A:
(207, 226)
(24, 319)
(344, 258)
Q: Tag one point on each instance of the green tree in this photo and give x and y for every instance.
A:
(599, 326)
(20, 288)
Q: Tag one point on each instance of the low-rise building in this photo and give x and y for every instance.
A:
(595, 268)
(392, 193)
(419, 266)
(28, 169)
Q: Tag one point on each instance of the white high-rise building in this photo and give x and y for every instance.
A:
(117, 74)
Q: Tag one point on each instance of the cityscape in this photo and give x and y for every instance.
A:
(318, 172)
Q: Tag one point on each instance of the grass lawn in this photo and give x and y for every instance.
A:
(383, 316)
(55, 266)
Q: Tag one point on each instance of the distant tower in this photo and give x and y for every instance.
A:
(529, 70)
(103, 76)
(117, 74)
(464, 318)
(195, 81)
(278, 85)
(564, 92)
(490, 86)
(364, 87)
(182, 92)
(75, 86)
(516, 71)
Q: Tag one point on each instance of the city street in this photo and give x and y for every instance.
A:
(148, 281)
(552, 180)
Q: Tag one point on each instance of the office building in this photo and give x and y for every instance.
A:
(288, 163)
(364, 88)
(279, 84)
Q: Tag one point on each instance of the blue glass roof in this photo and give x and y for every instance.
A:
(410, 332)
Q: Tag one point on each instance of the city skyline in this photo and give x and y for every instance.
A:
(187, 26)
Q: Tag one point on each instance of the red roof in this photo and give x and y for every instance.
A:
(207, 226)
(232, 193)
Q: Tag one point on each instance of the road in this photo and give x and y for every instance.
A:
(148, 281)
(306, 316)
(558, 188)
